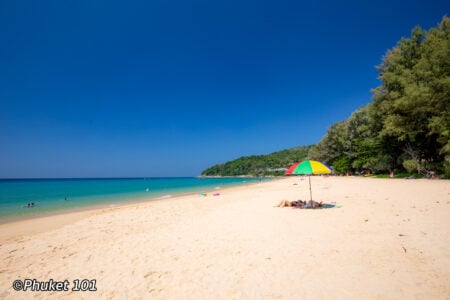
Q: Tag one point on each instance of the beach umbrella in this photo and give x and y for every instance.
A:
(311, 167)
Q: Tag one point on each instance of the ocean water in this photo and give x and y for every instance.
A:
(58, 195)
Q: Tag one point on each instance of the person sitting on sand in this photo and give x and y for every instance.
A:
(287, 203)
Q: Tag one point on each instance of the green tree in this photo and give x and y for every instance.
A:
(407, 126)
(333, 145)
(413, 100)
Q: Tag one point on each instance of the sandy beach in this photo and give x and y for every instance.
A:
(388, 239)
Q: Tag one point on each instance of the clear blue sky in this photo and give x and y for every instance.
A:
(169, 88)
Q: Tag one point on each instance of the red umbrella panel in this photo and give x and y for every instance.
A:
(292, 168)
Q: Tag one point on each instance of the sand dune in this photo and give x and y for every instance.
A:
(389, 240)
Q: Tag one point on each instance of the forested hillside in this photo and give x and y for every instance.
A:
(405, 128)
(407, 125)
(259, 165)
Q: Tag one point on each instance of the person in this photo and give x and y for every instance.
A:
(287, 203)
(300, 204)
(284, 203)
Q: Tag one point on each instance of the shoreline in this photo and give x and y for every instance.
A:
(47, 221)
(33, 223)
(125, 199)
(388, 239)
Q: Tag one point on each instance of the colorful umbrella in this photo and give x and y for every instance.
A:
(310, 167)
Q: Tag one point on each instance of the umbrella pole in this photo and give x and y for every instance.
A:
(310, 192)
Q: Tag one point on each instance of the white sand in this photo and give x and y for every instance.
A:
(389, 240)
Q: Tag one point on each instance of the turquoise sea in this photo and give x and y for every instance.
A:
(58, 195)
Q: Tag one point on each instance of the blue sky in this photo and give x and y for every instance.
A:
(169, 88)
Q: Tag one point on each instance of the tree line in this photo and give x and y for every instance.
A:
(406, 127)
(259, 165)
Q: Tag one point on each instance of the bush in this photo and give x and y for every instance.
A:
(411, 165)
(342, 165)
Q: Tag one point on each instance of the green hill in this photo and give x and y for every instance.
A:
(259, 165)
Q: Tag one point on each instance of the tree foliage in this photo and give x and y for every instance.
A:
(409, 118)
(259, 165)
(406, 127)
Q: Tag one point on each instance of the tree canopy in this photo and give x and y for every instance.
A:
(406, 127)
(408, 122)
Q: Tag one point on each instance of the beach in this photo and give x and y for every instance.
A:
(384, 239)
